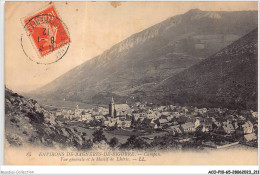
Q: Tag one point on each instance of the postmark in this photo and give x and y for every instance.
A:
(46, 39)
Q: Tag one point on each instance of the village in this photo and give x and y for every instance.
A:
(208, 127)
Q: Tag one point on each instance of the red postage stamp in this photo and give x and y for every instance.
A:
(47, 31)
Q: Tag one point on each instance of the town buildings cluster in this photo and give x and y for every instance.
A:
(175, 119)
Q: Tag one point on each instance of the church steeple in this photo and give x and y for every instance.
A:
(112, 108)
(112, 100)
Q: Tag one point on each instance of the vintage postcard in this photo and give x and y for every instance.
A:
(131, 83)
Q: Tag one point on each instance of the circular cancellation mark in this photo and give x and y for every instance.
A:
(47, 39)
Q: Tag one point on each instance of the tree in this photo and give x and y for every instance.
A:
(134, 142)
(113, 142)
(99, 136)
(131, 139)
(87, 144)
(95, 123)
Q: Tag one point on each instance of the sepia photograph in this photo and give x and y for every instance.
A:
(131, 83)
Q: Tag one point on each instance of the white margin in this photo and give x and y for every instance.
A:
(258, 80)
(2, 83)
(96, 169)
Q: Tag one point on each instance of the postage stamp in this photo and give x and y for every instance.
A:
(48, 34)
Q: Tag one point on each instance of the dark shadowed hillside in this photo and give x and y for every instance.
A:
(27, 123)
(150, 57)
(228, 78)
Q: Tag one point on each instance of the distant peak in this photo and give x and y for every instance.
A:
(192, 11)
(196, 14)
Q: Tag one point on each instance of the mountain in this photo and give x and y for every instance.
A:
(149, 57)
(226, 79)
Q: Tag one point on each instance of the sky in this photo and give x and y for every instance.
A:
(93, 27)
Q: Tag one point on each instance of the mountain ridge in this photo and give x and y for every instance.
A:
(150, 56)
(234, 84)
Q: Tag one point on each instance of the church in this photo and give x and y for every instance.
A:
(116, 110)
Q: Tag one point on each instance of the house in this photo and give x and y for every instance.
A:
(176, 114)
(142, 114)
(63, 112)
(126, 124)
(157, 113)
(161, 122)
(254, 114)
(109, 123)
(227, 127)
(184, 109)
(172, 107)
(142, 106)
(182, 119)
(170, 118)
(188, 127)
(78, 111)
(67, 116)
(174, 123)
(249, 137)
(119, 124)
(176, 130)
(208, 123)
(161, 108)
(166, 113)
(202, 110)
(146, 122)
(241, 118)
(77, 118)
(95, 113)
(202, 128)
(112, 123)
(58, 113)
(224, 110)
(195, 121)
(247, 128)
(114, 119)
(163, 117)
(194, 113)
(211, 112)
(235, 124)
(153, 125)
(140, 119)
(129, 118)
(151, 116)
(217, 110)
(137, 103)
(72, 117)
(136, 116)
(230, 117)
(86, 117)
(103, 112)
(215, 124)
(255, 127)
(99, 117)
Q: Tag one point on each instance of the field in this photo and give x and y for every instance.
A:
(121, 134)
(53, 105)
(109, 136)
